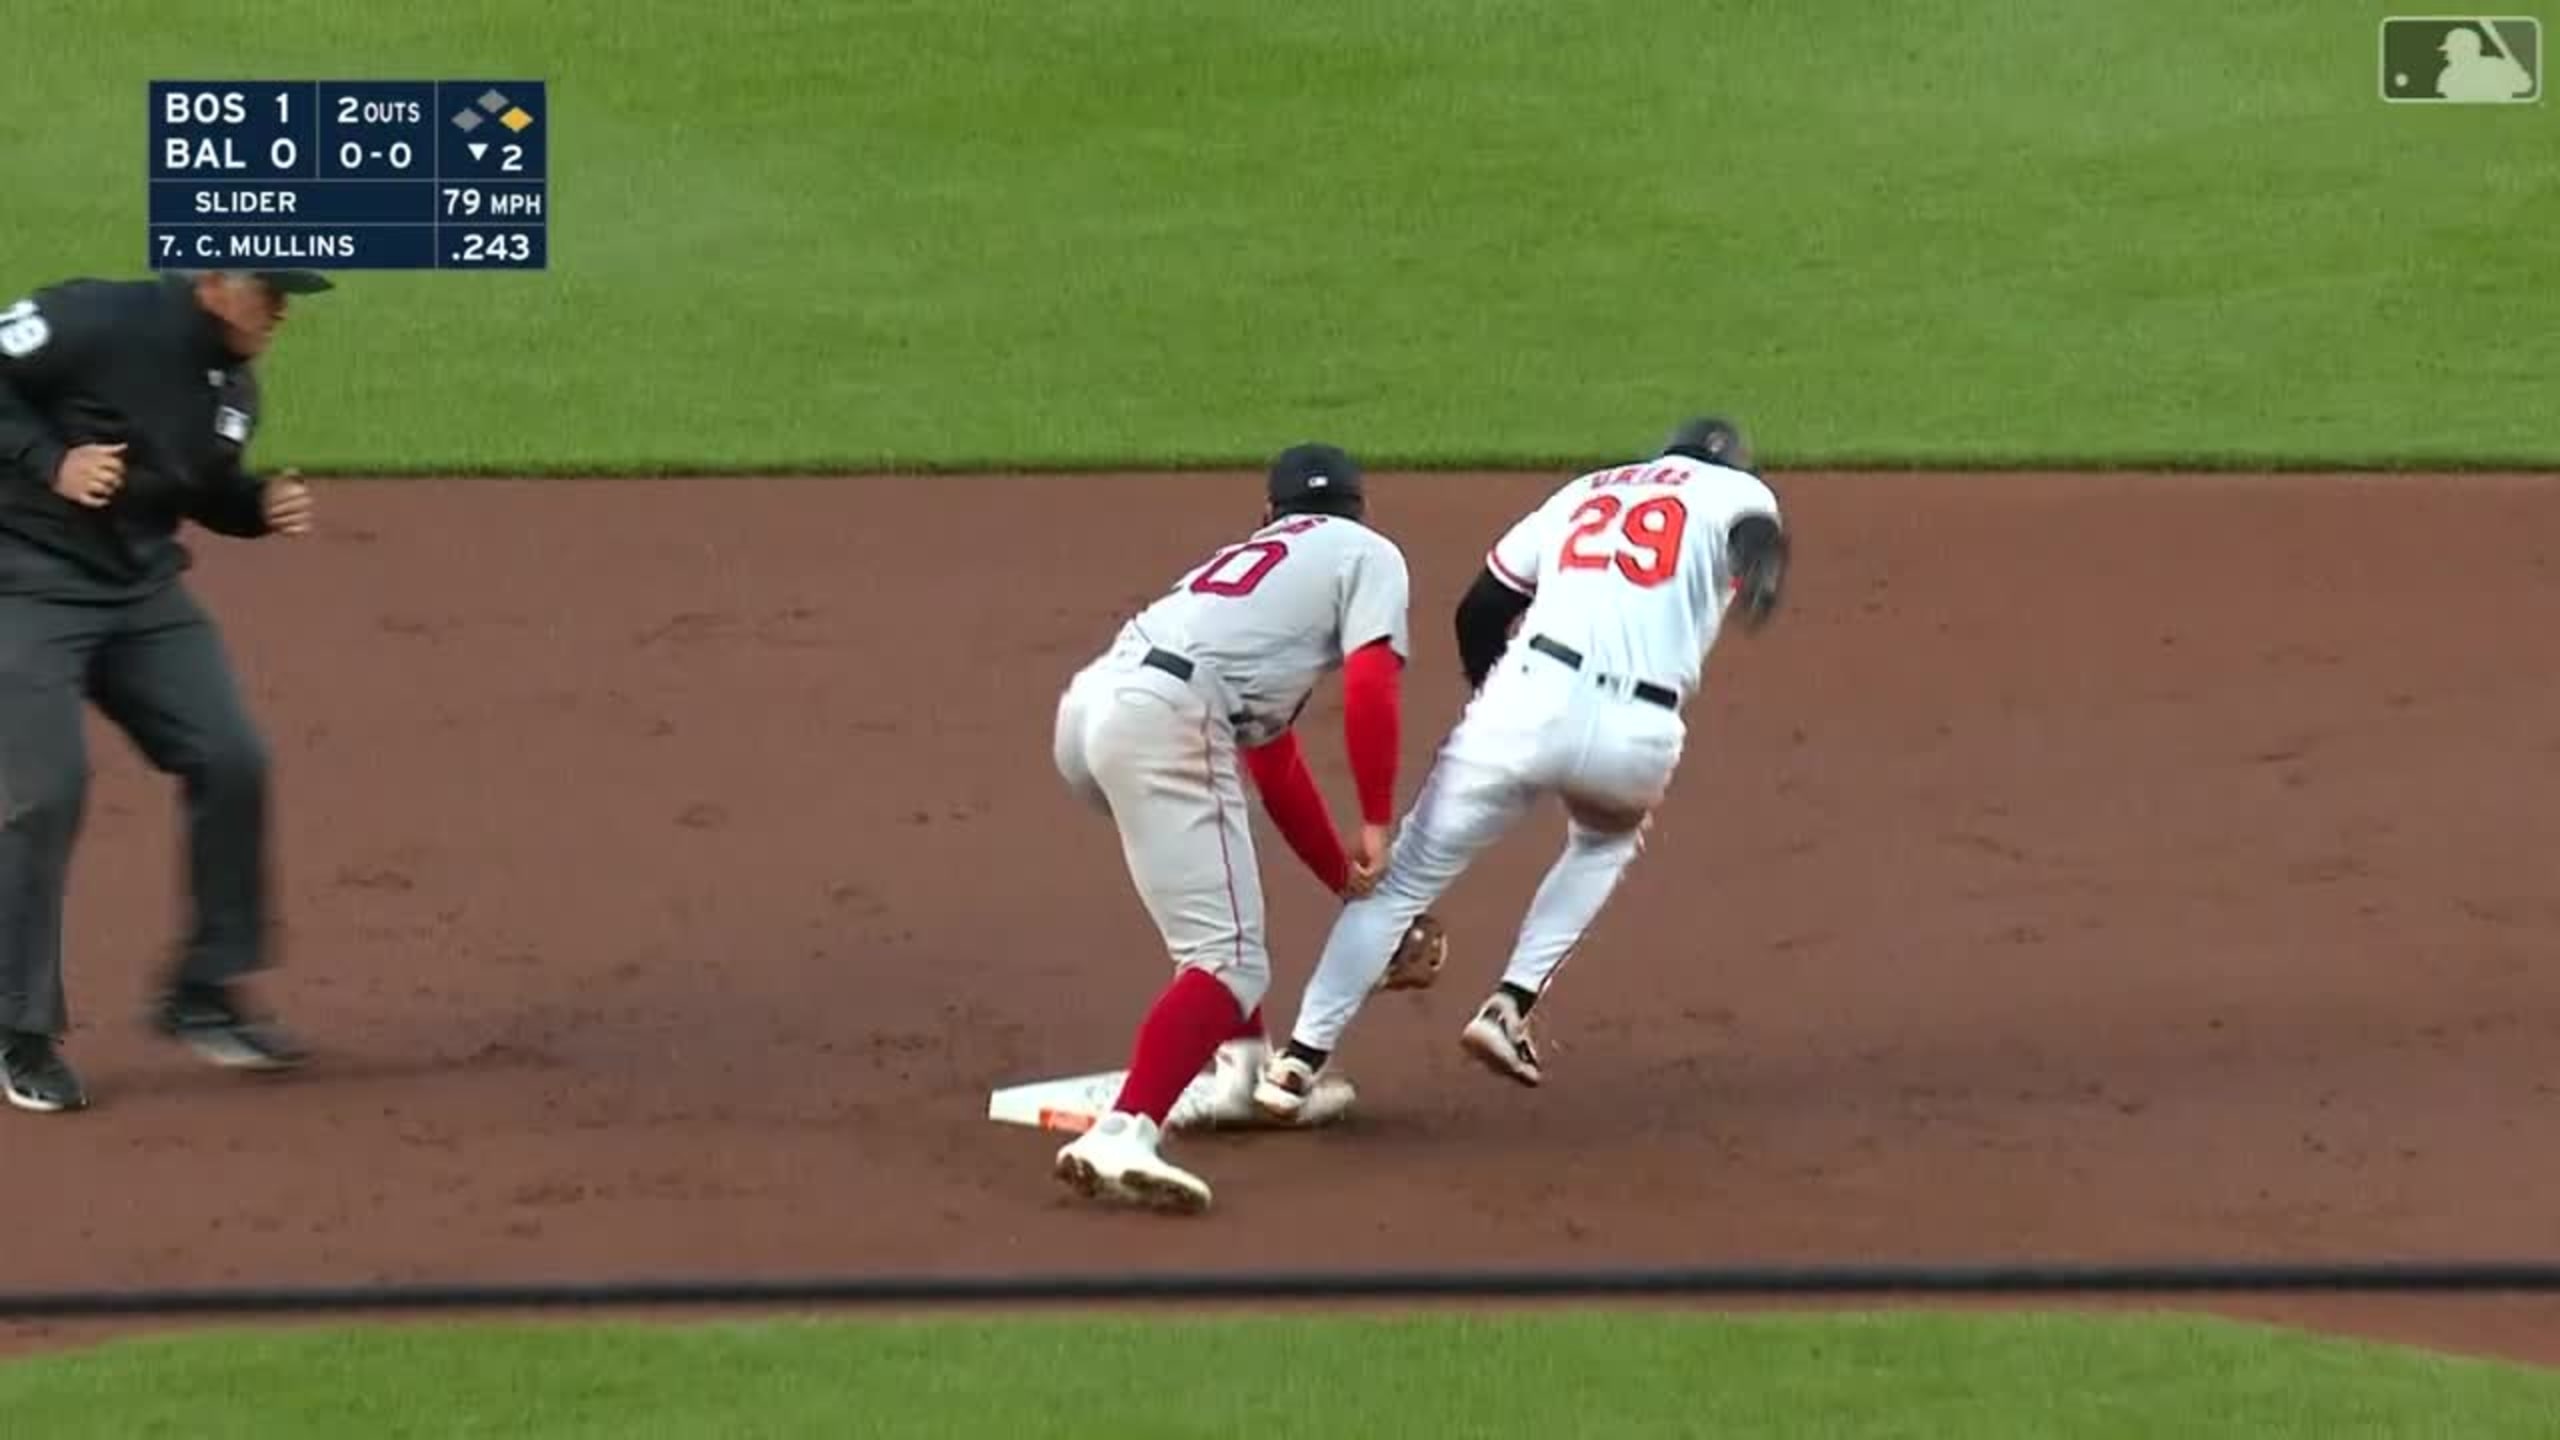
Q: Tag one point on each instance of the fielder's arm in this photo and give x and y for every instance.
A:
(1373, 726)
(1297, 808)
(1376, 610)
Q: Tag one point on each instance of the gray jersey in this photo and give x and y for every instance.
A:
(1270, 615)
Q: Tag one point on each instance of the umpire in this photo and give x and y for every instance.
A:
(125, 409)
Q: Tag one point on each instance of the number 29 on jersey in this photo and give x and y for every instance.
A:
(1642, 542)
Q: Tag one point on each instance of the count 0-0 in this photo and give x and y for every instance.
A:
(352, 155)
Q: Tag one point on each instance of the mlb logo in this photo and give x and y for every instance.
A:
(2462, 59)
(232, 425)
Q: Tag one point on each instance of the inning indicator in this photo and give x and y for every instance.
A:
(350, 175)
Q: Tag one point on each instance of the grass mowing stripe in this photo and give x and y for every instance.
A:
(1594, 1373)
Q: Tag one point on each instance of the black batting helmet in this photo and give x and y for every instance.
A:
(1710, 438)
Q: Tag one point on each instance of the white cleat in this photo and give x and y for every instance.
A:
(1117, 1160)
(1499, 1039)
(1287, 1090)
(1228, 1100)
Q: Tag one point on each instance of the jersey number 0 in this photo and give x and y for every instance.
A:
(1238, 569)
(1648, 536)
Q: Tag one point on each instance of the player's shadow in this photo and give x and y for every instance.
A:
(179, 1074)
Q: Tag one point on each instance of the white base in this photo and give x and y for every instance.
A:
(1073, 1103)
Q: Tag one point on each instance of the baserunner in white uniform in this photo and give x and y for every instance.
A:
(1619, 583)
(1151, 733)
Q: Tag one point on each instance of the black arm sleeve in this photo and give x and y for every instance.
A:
(234, 503)
(41, 340)
(1484, 620)
(1759, 547)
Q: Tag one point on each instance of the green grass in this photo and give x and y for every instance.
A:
(1593, 1374)
(907, 232)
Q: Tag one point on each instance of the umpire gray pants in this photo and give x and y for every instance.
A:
(156, 667)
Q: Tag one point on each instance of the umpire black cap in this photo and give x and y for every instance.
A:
(1712, 438)
(1314, 476)
(283, 282)
(295, 282)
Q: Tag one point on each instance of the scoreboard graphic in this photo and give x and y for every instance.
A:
(350, 175)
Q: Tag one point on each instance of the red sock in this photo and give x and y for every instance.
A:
(1189, 1021)
(1250, 1028)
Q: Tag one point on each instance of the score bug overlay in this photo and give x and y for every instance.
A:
(350, 174)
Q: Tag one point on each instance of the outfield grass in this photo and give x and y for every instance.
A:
(1594, 1375)
(1020, 232)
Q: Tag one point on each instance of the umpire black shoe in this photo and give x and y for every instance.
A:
(208, 1020)
(36, 1076)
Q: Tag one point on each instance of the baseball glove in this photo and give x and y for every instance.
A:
(1418, 959)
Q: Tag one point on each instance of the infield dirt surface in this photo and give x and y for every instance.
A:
(2099, 867)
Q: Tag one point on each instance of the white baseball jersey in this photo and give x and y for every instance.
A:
(1272, 614)
(1628, 564)
(1629, 567)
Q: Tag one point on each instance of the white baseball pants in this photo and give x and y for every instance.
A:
(1151, 752)
(1538, 728)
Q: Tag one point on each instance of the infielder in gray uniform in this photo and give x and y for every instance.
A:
(1150, 733)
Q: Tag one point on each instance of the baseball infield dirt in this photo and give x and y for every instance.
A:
(2118, 867)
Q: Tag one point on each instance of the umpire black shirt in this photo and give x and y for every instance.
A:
(107, 361)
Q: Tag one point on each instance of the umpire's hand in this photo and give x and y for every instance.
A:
(288, 504)
(90, 475)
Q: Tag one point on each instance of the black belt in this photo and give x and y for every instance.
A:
(1645, 690)
(1180, 668)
